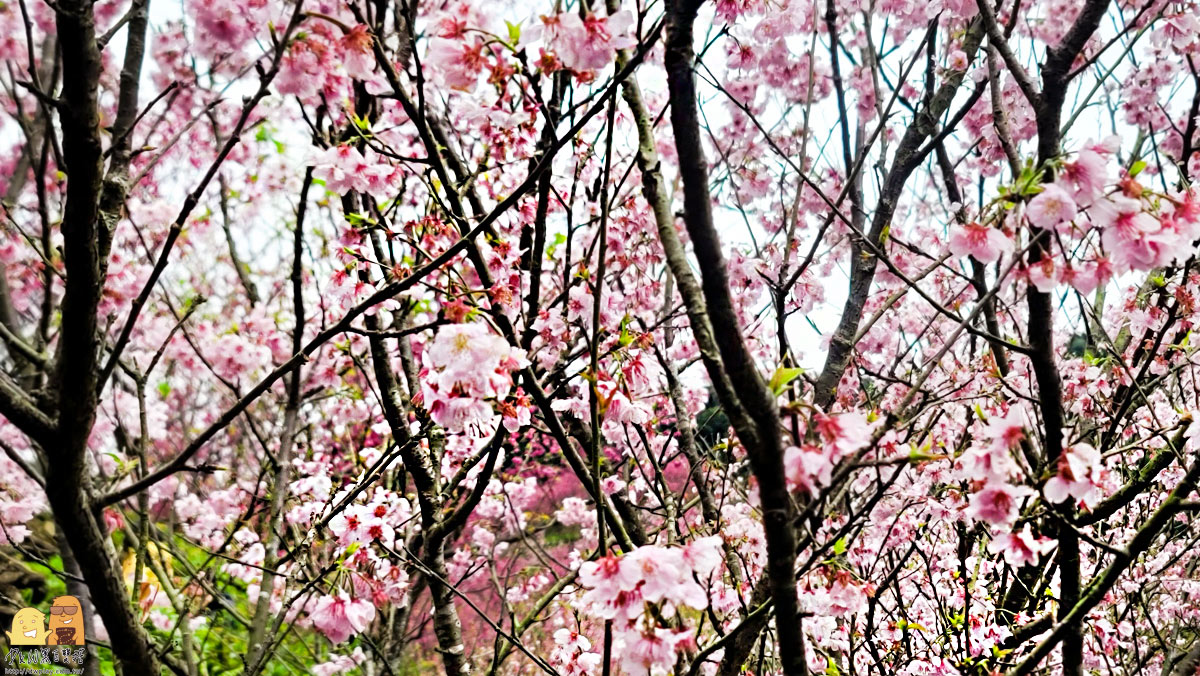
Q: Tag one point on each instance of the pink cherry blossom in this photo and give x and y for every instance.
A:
(1051, 208)
(340, 664)
(1020, 548)
(984, 243)
(359, 59)
(703, 555)
(467, 365)
(997, 503)
(621, 409)
(572, 654)
(588, 43)
(653, 651)
(340, 617)
(958, 60)
(1078, 476)
(1085, 175)
(1008, 430)
(456, 64)
(1042, 275)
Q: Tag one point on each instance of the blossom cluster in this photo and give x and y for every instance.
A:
(467, 369)
(620, 587)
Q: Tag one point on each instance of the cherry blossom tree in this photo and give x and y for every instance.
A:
(800, 337)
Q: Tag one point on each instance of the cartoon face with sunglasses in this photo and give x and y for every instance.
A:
(66, 622)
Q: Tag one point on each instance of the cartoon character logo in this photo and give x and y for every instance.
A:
(28, 628)
(66, 622)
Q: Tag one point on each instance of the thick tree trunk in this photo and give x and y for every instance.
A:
(91, 666)
(762, 437)
(86, 233)
(102, 573)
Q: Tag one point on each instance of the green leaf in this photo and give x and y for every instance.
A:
(514, 33)
(626, 337)
(1136, 168)
(359, 220)
(783, 377)
(164, 388)
(559, 239)
(839, 547)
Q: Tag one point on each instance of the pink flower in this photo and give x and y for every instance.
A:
(340, 664)
(845, 596)
(996, 504)
(639, 371)
(957, 60)
(652, 651)
(607, 578)
(985, 244)
(1007, 430)
(1078, 277)
(1087, 277)
(703, 555)
(302, 71)
(1041, 275)
(621, 409)
(572, 653)
(358, 58)
(590, 43)
(1133, 238)
(458, 414)
(807, 468)
(1020, 548)
(1078, 476)
(516, 412)
(466, 366)
(1086, 176)
(1051, 208)
(1179, 32)
(454, 63)
(657, 569)
(619, 586)
(339, 617)
(847, 433)
(344, 168)
(989, 462)
(225, 26)
(348, 527)
(580, 305)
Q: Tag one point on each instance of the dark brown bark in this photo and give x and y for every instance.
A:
(77, 588)
(763, 441)
(1189, 664)
(1048, 104)
(85, 243)
(738, 650)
